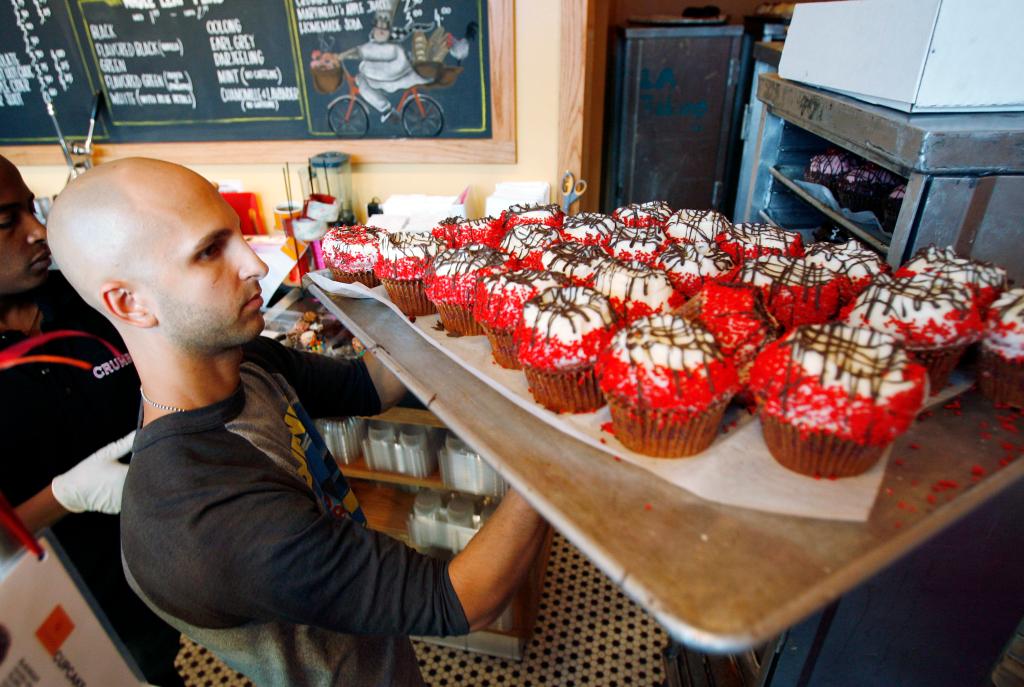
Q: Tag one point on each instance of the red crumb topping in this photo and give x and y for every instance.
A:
(552, 354)
(786, 391)
(688, 392)
(403, 269)
(457, 232)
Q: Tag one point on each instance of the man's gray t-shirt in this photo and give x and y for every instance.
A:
(238, 529)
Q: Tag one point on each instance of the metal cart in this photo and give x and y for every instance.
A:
(965, 172)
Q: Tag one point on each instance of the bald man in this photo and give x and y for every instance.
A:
(63, 429)
(237, 526)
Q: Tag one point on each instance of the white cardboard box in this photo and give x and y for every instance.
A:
(912, 55)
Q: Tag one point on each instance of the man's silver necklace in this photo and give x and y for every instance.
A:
(160, 406)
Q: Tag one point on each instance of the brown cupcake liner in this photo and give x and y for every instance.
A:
(1000, 379)
(573, 391)
(458, 319)
(503, 347)
(940, 363)
(409, 295)
(366, 277)
(816, 453)
(663, 433)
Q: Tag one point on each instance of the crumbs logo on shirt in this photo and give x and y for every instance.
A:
(316, 466)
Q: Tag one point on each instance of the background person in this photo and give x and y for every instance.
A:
(55, 416)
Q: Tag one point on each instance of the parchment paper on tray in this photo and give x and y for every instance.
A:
(736, 470)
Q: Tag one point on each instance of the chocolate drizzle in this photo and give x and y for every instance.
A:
(628, 239)
(570, 305)
(689, 225)
(552, 209)
(945, 263)
(402, 244)
(570, 258)
(471, 258)
(590, 220)
(496, 283)
(524, 239)
(640, 280)
(844, 258)
(657, 210)
(863, 354)
(762, 235)
(690, 259)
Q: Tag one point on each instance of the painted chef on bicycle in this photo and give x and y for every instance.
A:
(384, 68)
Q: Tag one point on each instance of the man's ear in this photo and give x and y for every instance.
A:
(124, 305)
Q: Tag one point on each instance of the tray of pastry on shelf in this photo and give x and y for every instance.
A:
(730, 360)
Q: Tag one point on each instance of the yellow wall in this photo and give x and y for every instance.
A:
(537, 55)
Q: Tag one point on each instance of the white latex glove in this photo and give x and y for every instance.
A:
(95, 484)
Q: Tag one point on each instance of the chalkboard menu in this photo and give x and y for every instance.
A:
(214, 70)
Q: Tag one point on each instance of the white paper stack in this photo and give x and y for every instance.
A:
(422, 212)
(509, 193)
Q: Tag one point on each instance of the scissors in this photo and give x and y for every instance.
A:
(571, 190)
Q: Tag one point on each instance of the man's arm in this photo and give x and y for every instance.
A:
(489, 570)
(390, 388)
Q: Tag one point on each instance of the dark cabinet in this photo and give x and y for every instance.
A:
(674, 116)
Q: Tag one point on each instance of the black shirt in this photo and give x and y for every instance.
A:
(54, 415)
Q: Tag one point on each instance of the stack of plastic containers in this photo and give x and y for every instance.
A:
(343, 436)
(408, 449)
(464, 470)
(447, 523)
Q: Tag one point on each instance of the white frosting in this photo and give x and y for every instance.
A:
(1008, 339)
(587, 224)
(761, 235)
(471, 258)
(779, 269)
(945, 263)
(636, 282)
(574, 266)
(524, 239)
(590, 312)
(696, 226)
(850, 259)
(397, 245)
(921, 304)
(869, 363)
(356, 256)
(540, 280)
(667, 341)
(696, 260)
(652, 209)
(629, 241)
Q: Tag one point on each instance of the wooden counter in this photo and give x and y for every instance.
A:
(719, 578)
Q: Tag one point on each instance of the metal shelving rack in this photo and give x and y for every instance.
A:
(965, 172)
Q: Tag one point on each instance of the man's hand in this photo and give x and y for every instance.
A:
(95, 484)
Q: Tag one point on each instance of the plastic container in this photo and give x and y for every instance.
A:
(450, 527)
(381, 447)
(343, 436)
(415, 456)
(464, 469)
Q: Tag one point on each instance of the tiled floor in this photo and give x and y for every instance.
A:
(587, 633)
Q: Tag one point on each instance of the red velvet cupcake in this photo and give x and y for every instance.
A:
(987, 281)
(499, 305)
(751, 240)
(637, 290)
(795, 291)
(690, 266)
(558, 340)
(550, 215)
(936, 320)
(832, 397)
(591, 228)
(351, 252)
(637, 244)
(852, 260)
(1001, 372)
(696, 226)
(404, 257)
(450, 284)
(739, 320)
(526, 244)
(654, 213)
(667, 386)
(457, 232)
(829, 168)
(578, 261)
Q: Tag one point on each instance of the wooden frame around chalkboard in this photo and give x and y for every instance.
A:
(499, 149)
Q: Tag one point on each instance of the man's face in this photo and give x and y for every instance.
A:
(24, 256)
(207, 294)
(380, 35)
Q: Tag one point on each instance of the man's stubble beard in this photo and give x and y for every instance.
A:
(200, 331)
